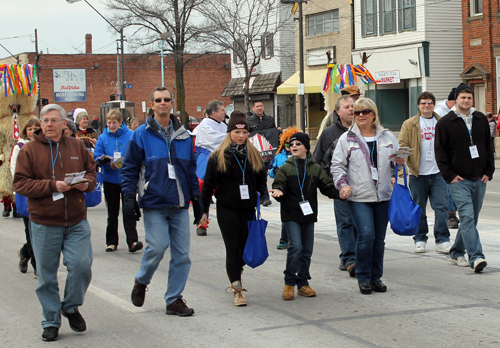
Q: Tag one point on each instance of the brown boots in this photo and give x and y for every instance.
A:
(239, 297)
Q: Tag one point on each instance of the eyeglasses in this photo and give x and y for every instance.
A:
(426, 102)
(166, 100)
(296, 143)
(47, 121)
(364, 112)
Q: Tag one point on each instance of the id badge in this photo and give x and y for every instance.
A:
(57, 196)
(374, 173)
(473, 151)
(117, 154)
(171, 172)
(306, 208)
(244, 194)
(429, 156)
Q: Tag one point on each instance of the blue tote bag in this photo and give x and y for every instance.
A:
(404, 213)
(256, 253)
(93, 198)
(22, 205)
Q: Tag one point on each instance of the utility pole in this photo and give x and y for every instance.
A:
(301, 87)
(37, 72)
(123, 65)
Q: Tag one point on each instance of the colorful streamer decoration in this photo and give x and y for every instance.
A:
(18, 79)
(341, 75)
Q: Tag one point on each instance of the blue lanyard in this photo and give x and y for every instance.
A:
(166, 142)
(301, 186)
(469, 130)
(242, 168)
(371, 149)
(52, 158)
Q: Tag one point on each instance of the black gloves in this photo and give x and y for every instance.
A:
(197, 210)
(131, 208)
(102, 161)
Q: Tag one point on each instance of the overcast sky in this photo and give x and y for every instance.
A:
(61, 27)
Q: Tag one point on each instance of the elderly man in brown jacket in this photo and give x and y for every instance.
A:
(426, 182)
(58, 217)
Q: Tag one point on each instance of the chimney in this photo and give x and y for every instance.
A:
(88, 44)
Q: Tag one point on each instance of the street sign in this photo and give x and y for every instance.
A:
(143, 106)
(128, 86)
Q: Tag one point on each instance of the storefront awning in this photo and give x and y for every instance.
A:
(313, 82)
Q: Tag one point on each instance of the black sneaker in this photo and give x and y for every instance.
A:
(135, 247)
(23, 262)
(50, 333)
(6, 213)
(138, 294)
(267, 203)
(76, 321)
(201, 231)
(179, 307)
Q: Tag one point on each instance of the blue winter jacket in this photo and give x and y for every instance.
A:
(107, 144)
(278, 161)
(145, 167)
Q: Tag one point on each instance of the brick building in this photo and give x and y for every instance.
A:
(481, 45)
(204, 78)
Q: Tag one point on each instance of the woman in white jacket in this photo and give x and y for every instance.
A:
(26, 252)
(363, 174)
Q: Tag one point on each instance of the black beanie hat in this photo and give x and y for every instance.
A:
(461, 87)
(237, 121)
(452, 96)
(303, 138)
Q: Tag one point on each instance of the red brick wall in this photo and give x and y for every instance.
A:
(204, 79)
(488, 29)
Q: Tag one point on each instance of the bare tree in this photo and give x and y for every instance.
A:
(150, 19)
(246, 28)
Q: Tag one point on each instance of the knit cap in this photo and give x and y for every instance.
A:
(303, 138)
(237, 121)
(461, 87)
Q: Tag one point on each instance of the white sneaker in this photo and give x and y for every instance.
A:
(420, 247)
(479, 265)
(443, 248)
(461, 262)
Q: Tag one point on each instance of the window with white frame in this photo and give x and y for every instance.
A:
(267, 45)
(320, 23)
(368, 18)
(407, 15)
(476, 7)
(237, 51)
(387, 16)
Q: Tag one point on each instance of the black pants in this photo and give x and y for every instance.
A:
(112, 195)
(234, 228)
(27, 249)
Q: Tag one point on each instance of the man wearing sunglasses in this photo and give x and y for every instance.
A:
(426, 182)
(323, 152)
(159, 163)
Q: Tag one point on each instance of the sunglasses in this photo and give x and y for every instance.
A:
(296, 143)
(166, 100)
(364, 112)
(426, 102)
(287, 145)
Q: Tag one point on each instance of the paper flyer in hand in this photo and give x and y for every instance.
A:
(403, 152)
(75, 178)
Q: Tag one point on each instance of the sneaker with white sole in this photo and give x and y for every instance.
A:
(443, 248)
(460, 261)
(479, 265)
(420, 247)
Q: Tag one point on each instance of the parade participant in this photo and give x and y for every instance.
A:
(426, 182)
(464, 155)
(112, 144)
(279, 159)
(210, 133)
(26, 252)
(85, 133)
(160, 164)
(362, 171)
(236, 173)
(58, 217)
(296, 188)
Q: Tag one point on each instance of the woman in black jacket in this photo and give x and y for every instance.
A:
(236, 173)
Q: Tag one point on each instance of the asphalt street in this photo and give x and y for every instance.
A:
(430, 301)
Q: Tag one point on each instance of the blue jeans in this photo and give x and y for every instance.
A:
(74, 243)
(434, 188)
(346, 231)
(371, 221)
(298, 257)
(451, 204)
(468, 196)
(284, 235)
(166, 226)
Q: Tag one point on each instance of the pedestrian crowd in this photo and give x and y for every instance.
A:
(156, 168)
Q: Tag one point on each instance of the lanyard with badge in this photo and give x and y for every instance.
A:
(372, 167)
(55, 195)
(304, 205)
(429, 154)
(117, 153)
(244, 193)
(472, 148)
(171, 169)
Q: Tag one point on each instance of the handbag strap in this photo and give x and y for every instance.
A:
(404, 174)
(257, 213)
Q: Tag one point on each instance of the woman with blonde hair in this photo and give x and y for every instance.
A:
(362, 172)
(236, 173)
